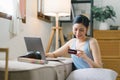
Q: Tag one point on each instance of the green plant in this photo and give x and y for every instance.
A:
(103, 13)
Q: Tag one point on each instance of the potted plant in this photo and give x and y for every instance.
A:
(101, 14)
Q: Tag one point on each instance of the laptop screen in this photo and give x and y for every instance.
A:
(35, 44)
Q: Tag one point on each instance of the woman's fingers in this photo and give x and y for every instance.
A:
(49, 55)
(80, 53)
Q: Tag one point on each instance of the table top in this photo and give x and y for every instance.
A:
(15, 65)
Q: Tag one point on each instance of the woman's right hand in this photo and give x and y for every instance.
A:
(49, 55)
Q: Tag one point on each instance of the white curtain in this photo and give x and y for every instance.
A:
(12, 7)
(14, 25)
(22, 8)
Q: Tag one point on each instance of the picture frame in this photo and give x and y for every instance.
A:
(84, 9)
(40, 14)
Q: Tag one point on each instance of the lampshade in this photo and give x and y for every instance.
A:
(57, 7)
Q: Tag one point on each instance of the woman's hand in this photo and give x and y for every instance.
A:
(81, 54)
(52, 55)
(49, 55)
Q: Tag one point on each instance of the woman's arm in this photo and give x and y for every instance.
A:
(61, 51)
(95, 50)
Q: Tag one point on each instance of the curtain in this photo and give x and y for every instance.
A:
(14, 25)
(23, 9)
(19, 14)
(16, 8)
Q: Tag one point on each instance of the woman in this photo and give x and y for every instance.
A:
(88, 52)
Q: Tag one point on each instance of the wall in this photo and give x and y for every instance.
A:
(33, 27)
(4, 30)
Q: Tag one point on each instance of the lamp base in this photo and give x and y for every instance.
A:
(58, 31)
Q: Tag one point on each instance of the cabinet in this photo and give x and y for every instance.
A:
(109, 42)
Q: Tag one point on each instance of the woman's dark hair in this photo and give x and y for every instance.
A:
(81, 19)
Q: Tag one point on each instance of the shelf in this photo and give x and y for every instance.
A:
(81, 1)
(75, 2)
(66, 21)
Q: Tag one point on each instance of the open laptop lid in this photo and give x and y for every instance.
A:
(35, 44)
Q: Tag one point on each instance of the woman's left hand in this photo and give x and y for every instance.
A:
(81, 54)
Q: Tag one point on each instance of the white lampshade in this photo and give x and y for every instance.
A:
(57, 7)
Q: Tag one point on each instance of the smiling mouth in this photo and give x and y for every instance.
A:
(78, 35)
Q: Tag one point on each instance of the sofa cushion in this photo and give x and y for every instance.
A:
(93, 74)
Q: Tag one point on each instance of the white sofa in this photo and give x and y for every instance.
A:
(93, 74)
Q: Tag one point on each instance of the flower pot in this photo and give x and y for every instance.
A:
(104, 26)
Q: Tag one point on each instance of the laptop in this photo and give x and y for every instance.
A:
(35, 44)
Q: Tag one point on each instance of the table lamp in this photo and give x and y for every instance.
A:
(56, 8)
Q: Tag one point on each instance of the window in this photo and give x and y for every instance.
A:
(6, 6)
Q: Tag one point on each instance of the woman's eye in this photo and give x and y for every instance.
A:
(75, 29)
(81, 30)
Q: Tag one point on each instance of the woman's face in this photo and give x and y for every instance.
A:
(79, 30)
